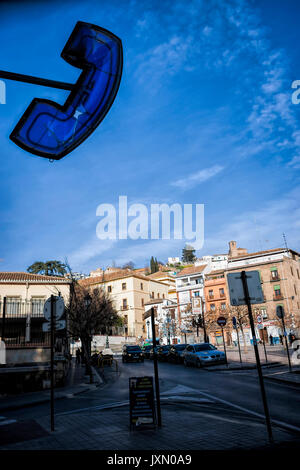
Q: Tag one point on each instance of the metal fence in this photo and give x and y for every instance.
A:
(21, 323)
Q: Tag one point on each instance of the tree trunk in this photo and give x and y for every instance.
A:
(86, 351)
(244, 339)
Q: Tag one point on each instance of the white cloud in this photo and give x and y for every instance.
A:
(262, 228)
(197, 178)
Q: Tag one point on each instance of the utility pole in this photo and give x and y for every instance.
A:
(155, 369)
(259, 370)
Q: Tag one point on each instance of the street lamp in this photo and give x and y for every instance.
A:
(107, 342)
(148, 326)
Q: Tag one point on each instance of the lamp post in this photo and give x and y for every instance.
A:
(107, 341)
(148, 326)
(168, 320)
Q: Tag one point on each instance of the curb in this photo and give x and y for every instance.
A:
(249, 367)
(283, 381)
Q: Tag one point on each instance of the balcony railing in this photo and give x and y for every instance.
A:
(278, 297)
(22, 324)
(19, 309)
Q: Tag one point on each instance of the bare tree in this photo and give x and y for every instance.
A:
(89, 312)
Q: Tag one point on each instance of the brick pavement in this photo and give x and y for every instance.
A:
(187, 426)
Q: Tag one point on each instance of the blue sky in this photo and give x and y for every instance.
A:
(203, 116)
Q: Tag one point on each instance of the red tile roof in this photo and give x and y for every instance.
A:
(122, 274)
(192, 270)
(28, 277)
(160, 274)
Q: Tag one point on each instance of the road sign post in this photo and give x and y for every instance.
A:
(53, 309)
(247, 300)
(280, 314)
(222, 322)
(157, 394)
(264, 343)
(234, 322)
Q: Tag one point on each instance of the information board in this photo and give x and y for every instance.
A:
(141, 397)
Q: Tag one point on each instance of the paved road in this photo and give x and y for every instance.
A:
(238, 387)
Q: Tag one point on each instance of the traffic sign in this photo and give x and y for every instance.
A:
(221, 321)
(280, 312)
(59, 325)
(59, 308)
(236, 290)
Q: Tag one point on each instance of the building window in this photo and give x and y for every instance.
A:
(222, 292)
(109, 289)
(298, 274)
(142, 302)
(163, 296)
(142, 286)
(124, 286)
(223, 306)
(198, 281)
(295, 289)
(37, 305)
(292, 272)
(13, 305)
(152, 295)
(211, 294)
(158, 295)
(263, 312)
(274, 274)
(277, 291)
(124, 305)
(213, 307)
(197, 294)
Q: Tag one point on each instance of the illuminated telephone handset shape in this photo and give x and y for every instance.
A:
(50, 130)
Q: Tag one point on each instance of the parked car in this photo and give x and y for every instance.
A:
(162, 352)
(147, 350)
(202, 354)
(151, 352)
(132, 353)
(175, 353)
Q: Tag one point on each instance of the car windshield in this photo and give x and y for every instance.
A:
(203, 347)
(133, 348)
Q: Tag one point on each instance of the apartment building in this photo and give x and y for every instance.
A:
(168, 278)
(190, 296)
(22, 298)
(129, 291)
(166, 321)
(280, 279)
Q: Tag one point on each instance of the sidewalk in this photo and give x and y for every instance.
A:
(76, 383)
(206, 425)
